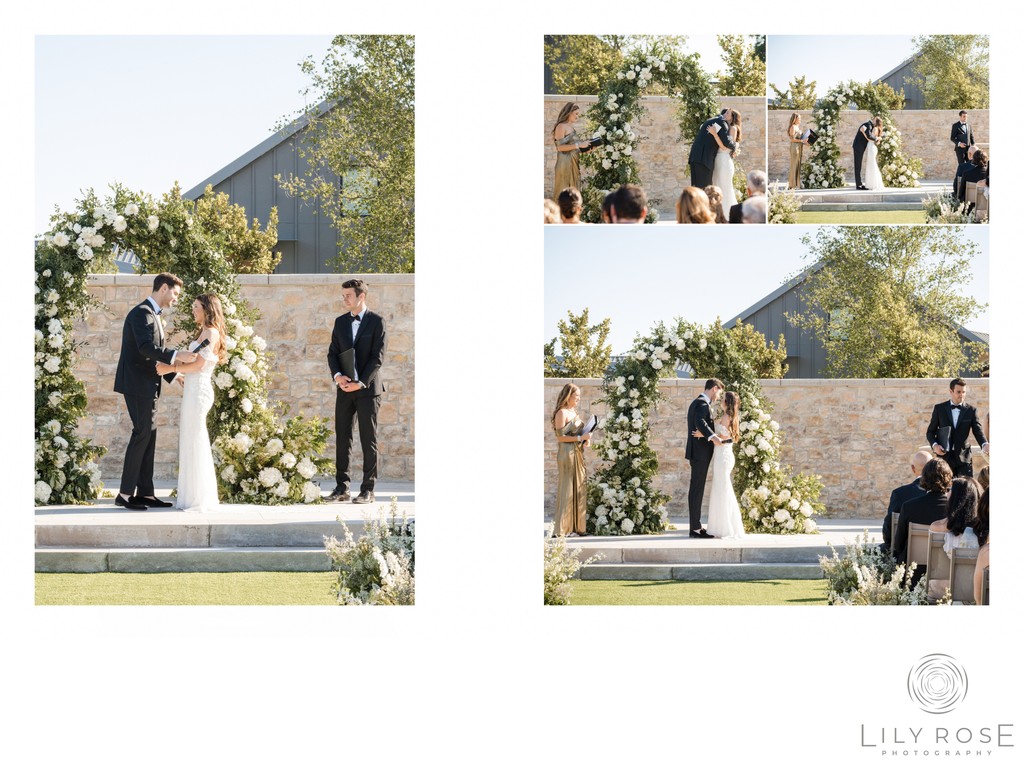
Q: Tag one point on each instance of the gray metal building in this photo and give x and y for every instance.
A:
(306, 238)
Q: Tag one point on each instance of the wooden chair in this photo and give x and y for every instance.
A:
(971, 193)
(981, 206)
(961, 574)
(984, 588)
(917, 544)
(938, 565)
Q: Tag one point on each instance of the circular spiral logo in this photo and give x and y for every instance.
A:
(937, 683)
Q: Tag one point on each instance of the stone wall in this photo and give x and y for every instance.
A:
(858, 435)
(297, 316)
(925, 134)
(662, 157)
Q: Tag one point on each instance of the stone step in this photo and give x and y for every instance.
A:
(715, 572)
(852, 207)
(205, 559)
(699, 553)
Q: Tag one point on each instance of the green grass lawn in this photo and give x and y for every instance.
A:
(188, 589)
(675, 592)
(866, 216)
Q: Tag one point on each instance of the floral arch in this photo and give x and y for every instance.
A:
(618, 108)
(823, 170)
(621, 498)
(260, 459)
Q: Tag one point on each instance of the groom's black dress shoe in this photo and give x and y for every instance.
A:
(338, 496)
(862, 188)
(701, 534)
(364, 497)
(130, 504)
(151, 502)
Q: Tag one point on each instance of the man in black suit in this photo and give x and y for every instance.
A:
(903, 494)
(700, 441)
(936, 479)
(358, 396)
(142, 346)
(962, 420)
(705, 149)
(860, 145)
(967, 166)
(962, 137)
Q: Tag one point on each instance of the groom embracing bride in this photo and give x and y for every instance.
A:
(707, 443)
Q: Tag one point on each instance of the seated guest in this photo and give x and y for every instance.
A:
(693, 207)
(981, 524)
(979, 573)
(755, 209)
(936, 478)
(551, 212)
(757, 185)
(715, 198)
(976, 170)
(606, 207)
(961, 516)
(629, 205)
(983, 478)
(570, 205)
(900, 495)
(958, 189)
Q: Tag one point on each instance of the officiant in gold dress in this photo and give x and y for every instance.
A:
(571, 508)
(567, 147)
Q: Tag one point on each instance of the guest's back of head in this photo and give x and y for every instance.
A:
(693, 207)
(715, 200)
(936, 476)
(570, 204)
(629, 205)
(551, 212)
(757, 182)
(755, 209)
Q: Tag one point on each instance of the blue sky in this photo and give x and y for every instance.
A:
(640, 275)
(150, 110)
(832, 59)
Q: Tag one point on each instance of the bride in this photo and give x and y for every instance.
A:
(724, 168)
(872, 175)
(724, 519)
(197, 480)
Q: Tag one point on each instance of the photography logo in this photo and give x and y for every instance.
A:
(937, 683)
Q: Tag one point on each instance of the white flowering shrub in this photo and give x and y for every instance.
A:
(947, 208)
(621, 498)
(783, 205)
(619, 109)
(379, 568)
(202, 242)
(823, 171)
(864, 574)
(561, 563)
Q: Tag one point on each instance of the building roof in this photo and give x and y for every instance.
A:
(258, 151)
(898, 67)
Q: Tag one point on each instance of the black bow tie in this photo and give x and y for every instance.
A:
(355, 317)
(956, 406)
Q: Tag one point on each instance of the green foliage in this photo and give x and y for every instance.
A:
(952, 71)
(561, 564)
(865, 575)
(621, 498)
(799, 95)
(585, 348)
(380, 568)
(947, 208)
(767, 360)
(367, 139)
(745, 71)
(580, 64)
(783, 206)
(887, 301)
(249, 250)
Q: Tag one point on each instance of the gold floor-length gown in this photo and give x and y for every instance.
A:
(571, 508)
(796, 156)
(567, 166)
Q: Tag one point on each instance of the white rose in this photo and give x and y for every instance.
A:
(630, 75)
(688, 335)
(60, 239)
(242, 442)
(229, 474)
(281, 490)
(703, 344)
(274, 446)
(249, 356)
(223, 380)
(153, 222)
(43, 491)
(310, 492)
(806, 509)
(120, 224)
(794, 504)
(52, 364)
(131, 209)
(287, 460)
(634, 439)
(246, 405)
(306, 468)
(626, 526)
(259, 343)
(809, 525)
(270, 476)
(782, 515)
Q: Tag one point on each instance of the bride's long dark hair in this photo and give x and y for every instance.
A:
(737, 118)
(731, 411)
(213, 316)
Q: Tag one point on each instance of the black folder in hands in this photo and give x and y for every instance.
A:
(812, 137)
(594, 143)
(347, 361)
(943, 438)
(588, 427)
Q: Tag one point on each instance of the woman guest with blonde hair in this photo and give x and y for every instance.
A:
(568, 146)
(571, 507)
(715, 201)
(796, 150)
(197, 480)
(693, 207)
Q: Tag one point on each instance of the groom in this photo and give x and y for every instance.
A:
(700, 441)
(142, 346)
(705, 149)
(860, 145)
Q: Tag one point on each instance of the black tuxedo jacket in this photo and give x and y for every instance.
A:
(899, 496)
(736, 213)
(142, 346)
(860, 141)
(959, 136)
(942, 415)
(966, 173)
(698, 417)
(932, 506)
(705, 148)
(369, 347)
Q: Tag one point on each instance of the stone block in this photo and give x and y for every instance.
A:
(71, 561)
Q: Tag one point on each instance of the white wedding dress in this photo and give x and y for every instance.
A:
(197, 479)
(872, 175)
(721, 177)
(724, 519)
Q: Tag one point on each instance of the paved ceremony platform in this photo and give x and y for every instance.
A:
(237, 538)
(850, 199)
(673, 555)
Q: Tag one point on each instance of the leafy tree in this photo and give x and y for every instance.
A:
(586, 352)
(799, 95)
(248, 250)
(582, 64)
(367, 139)
(888, 95)
(887, 301)
(760, 47)
(768, 361)
(952, 71)
(745, 72)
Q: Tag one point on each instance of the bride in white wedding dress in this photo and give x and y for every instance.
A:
(197, 479)
(724, 518)
(724, 169)
(872, 175)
